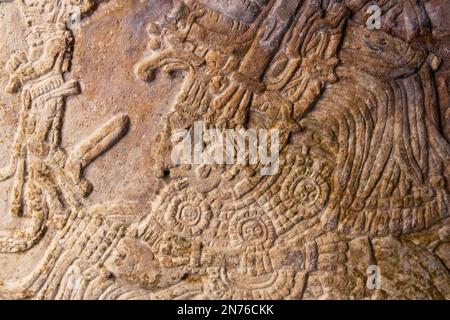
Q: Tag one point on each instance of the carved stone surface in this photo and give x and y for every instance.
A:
(93, 205)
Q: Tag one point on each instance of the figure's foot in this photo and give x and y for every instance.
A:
(80, 186)
(83, 188)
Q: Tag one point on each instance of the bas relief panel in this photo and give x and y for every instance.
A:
(93, 205)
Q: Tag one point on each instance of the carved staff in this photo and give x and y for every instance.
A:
(235, 99)
(269, 38)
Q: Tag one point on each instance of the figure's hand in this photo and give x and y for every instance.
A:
(13, 85)
(229, 110)
(17, 59)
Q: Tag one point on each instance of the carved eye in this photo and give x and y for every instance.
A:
(374, 43)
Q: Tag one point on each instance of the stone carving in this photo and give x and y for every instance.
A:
(48, 186)
(363, 166)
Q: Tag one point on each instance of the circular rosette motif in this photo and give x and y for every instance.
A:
(305, 186)
(188, 214)
(305, 190)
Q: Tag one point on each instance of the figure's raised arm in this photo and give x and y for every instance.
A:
(32, 70)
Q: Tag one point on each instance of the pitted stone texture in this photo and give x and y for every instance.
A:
(93, 207)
